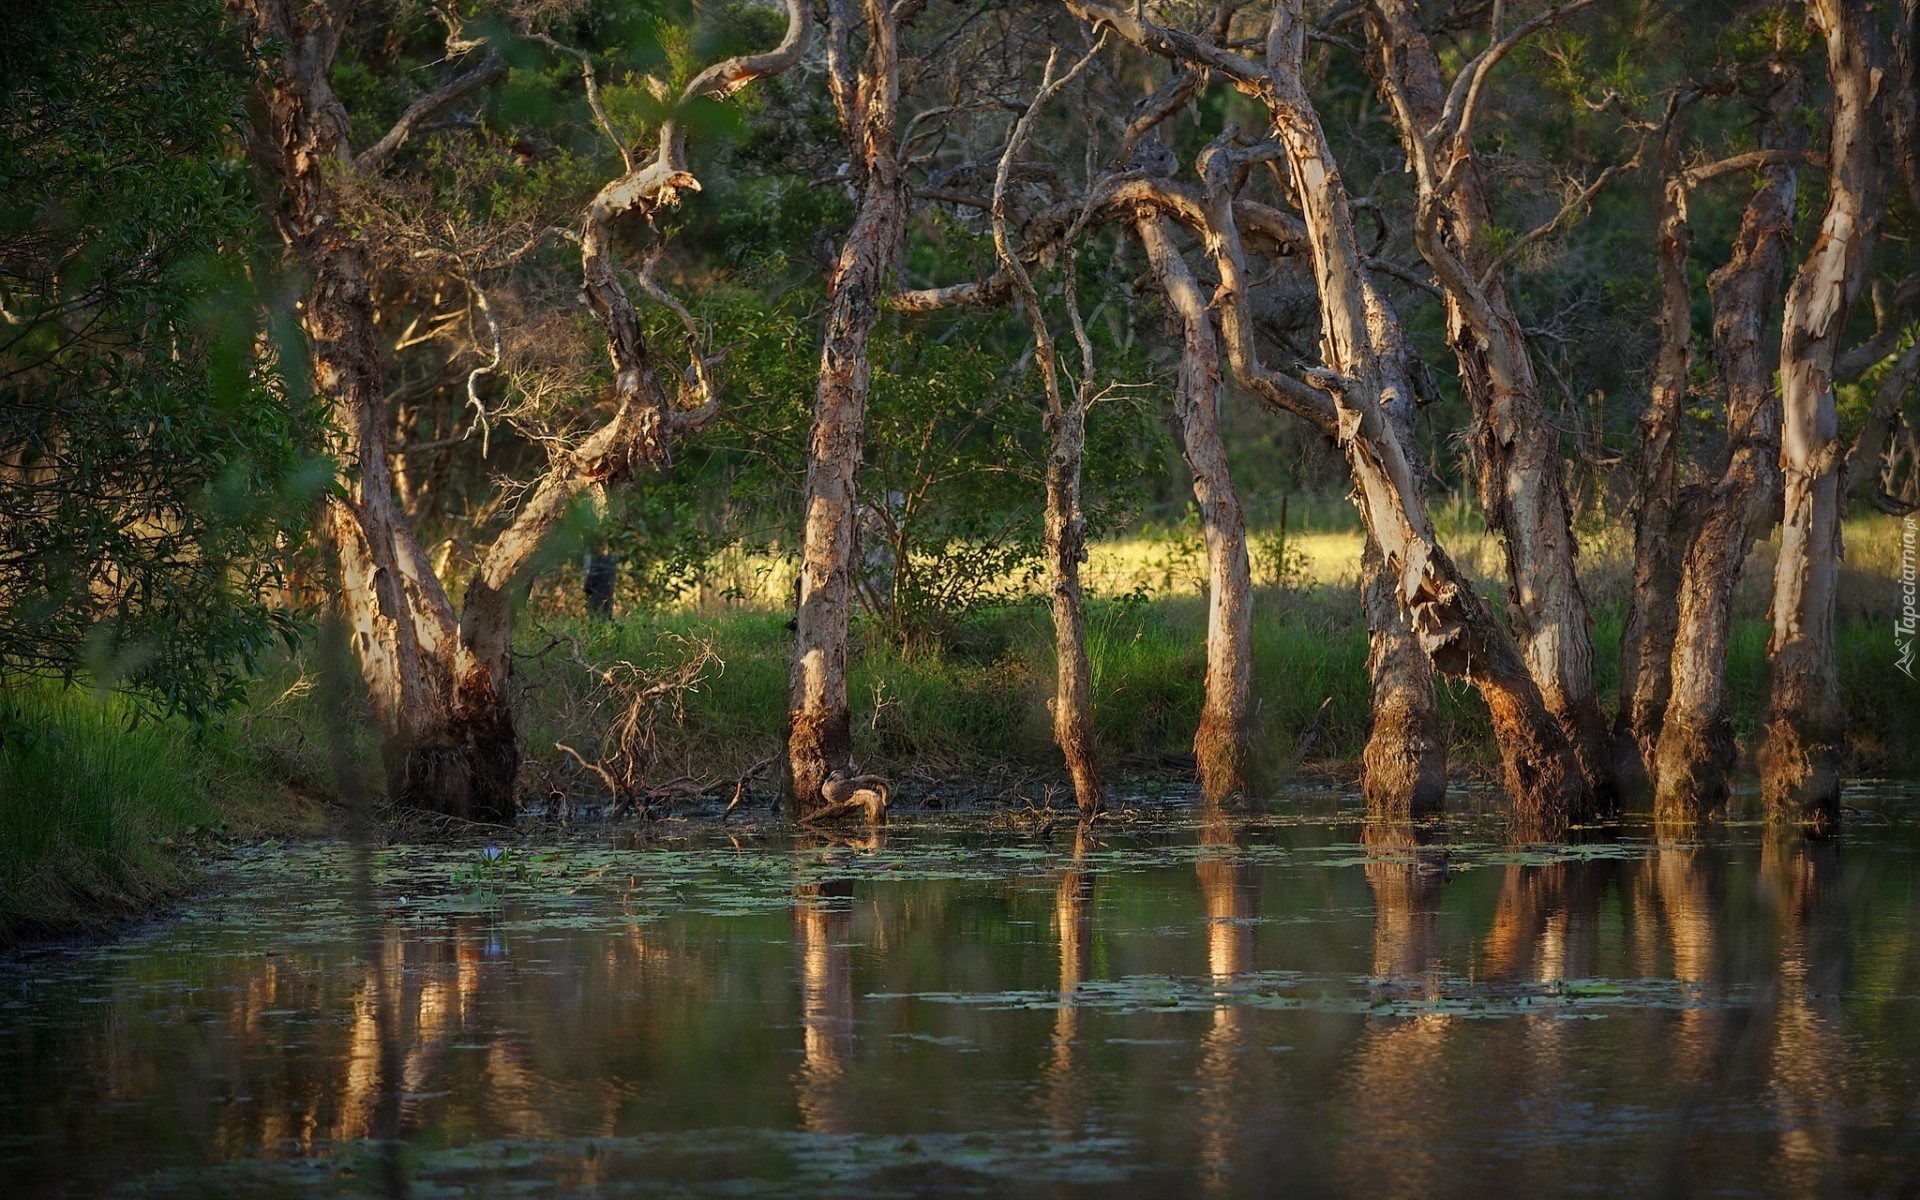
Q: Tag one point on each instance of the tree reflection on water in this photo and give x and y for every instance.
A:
(1222, 1001)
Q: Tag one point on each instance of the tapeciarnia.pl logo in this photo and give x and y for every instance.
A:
(1908, 621)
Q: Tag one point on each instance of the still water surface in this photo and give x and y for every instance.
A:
(1286, 1002)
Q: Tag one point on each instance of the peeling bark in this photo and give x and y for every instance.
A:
(1455, 628)
(440, 687)
(1458, 632)
(819, 737)
(1221, 744)
(1695, 754)
(1404, 764)
(1403, 769)
(1516, 452)
(1804, 738)
(1066, 535)
(398, 613)
(1066, 427)
(1653, 606)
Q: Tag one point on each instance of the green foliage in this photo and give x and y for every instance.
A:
(486, 875)
(978, 701)
(155, 475)
(951, 484)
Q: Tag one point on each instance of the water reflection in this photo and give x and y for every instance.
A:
(1399, 1076)
(823, 933)
(1066, 1086)
(1228, 1056)
(1807, 1060)
(1237, 1001)
(1676, 897)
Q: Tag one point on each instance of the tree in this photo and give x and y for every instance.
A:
(866, 95)
(1804, 738)
(150, 469)
(1516, 450)
(1364, 367)
(1695, 750)
(439, 685)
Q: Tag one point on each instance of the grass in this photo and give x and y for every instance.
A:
(973, 696)
(976, 699)
(98, 809)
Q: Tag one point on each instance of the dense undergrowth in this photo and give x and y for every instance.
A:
(976, 699)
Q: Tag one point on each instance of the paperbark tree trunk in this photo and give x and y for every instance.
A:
(1653, 609)
(1458, 632)
(1455, 628)
(1695, 753)
(403, 626)
(1066, 427)
(1804, 737)
(440, 688)
(1221, 744)
(819, 737)
(1066, 534)
(1516, 451)
(1403, 768)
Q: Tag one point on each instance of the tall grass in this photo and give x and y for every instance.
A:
(977, 698)
(91, 797)
(98, 806)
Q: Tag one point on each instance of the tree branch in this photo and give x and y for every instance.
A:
(1580, 200)
(1469, 86)
(491, 69)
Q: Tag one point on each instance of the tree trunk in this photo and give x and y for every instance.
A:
(819, 738)
(1653, 611)
(403, 627)
(1516, 450)
(1695, 753)
(1459, 633)
(1403, 769)
(1066, 426)
(1804, 734)
(1221, 744)
(1066, 534)
(440, 689)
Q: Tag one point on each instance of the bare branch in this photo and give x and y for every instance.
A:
(1580, 200)
(1220, 227)
(1150, 112)
(1002, 228)
(1753, 160)
(491, 69)
(486, 368)
(592, 82)
(1176, 44)
(1463, 99)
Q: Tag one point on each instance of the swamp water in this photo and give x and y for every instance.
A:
(1284, 1002)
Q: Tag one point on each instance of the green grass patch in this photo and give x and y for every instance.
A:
(100, 806)
(978, 697)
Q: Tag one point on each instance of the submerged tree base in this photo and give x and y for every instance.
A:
(1693, 770)
(1800, 774)
(471, 777)
(818, 744)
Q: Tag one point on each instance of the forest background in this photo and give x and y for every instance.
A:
(179, 436)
